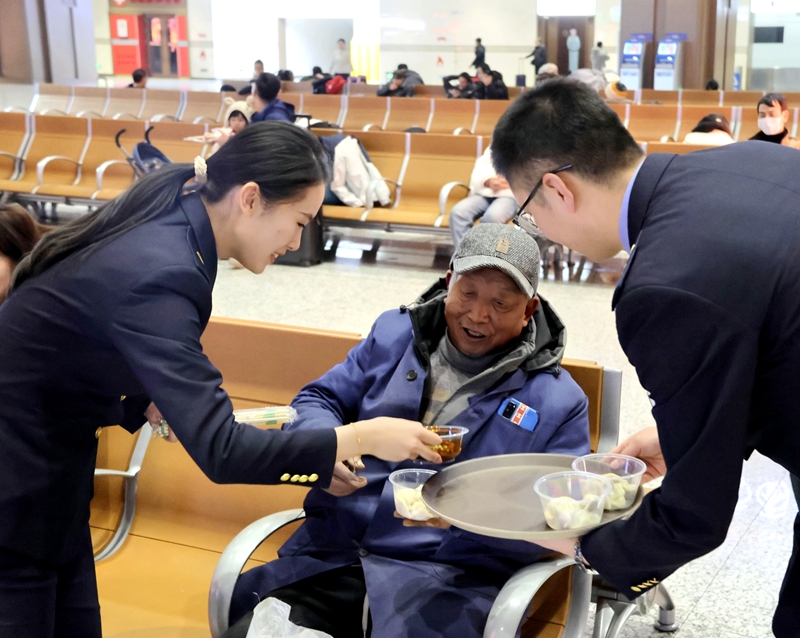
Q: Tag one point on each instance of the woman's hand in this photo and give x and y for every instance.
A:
(644, 445)
(396, 440)
(154, 418)
(344, 482)
(387, 438)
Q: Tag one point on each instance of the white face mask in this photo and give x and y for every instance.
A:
(771, 125)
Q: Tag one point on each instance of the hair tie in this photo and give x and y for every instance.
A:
(200, 170)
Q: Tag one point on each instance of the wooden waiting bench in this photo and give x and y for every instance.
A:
(157, 584)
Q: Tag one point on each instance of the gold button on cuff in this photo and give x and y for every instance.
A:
(286, 477)
(123, 397)
(295, 478)
(304, 478)
(97, 433)
(636, 589)
(313, 478)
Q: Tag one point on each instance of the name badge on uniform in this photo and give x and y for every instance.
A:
(519, 414)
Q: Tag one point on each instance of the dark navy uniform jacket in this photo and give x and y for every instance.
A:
(90, 343)
(708, 312)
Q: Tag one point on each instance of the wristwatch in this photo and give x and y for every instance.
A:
(579, 559)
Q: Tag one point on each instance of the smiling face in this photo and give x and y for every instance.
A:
(261, 233)
(484, 310)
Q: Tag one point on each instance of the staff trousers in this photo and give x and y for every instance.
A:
(42, 600)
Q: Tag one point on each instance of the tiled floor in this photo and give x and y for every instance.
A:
(731, 592)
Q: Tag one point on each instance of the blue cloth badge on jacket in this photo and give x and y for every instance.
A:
(519, 414)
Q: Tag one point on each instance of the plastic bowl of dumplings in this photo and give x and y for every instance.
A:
(624, 472)
(407, 486)
(573, 500)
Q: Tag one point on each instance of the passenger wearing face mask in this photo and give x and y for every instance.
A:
(773, 116)
(103, 324)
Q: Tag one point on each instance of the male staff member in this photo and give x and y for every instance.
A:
(708, 311)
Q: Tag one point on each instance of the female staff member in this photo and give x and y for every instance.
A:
(104, 319)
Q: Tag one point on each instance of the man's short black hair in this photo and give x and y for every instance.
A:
(342, 40)
(139, 75)
(259, 62)
(559, 123)
(599, 44)
(478, 40)
(316, 70)
(770, 99)
(485, 68)
(402, 67)
(466, 76)
(400, 75)
(712, 85)
(267, 86)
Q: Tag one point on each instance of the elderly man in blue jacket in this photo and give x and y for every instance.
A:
(474, 339)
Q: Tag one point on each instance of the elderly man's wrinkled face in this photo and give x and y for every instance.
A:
(485, 310)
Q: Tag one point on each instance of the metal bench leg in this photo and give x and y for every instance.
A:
(610, 617)
(667, 620)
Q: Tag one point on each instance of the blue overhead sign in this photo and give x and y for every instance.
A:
(641, 36)
(675, 37)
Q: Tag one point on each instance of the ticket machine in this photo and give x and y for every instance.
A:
(632, 64)
(668, 75)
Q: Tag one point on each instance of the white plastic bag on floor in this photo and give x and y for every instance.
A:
(271, 620)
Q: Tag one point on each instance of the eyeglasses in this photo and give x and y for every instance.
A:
(524, 219)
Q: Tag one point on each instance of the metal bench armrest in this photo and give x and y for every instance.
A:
(120, 115)
(444, 194)
(43, 163)
(88, 114)
(101, 170)
(511, 605)
(204, 119)
(163, 117)
(233, 560)
(371, 192)
(52, 112)
(16, 158)
(131, 476)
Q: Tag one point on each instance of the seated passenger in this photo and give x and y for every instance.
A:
(412, 77)
(139, 77)
(266, 102)
(491, 85)
(712, 130)
(547, 72)
(464, 89)
(773, 116)
(490, 199)
(475, 338)
(397, 86)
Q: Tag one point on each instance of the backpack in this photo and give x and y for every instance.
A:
(335, 85)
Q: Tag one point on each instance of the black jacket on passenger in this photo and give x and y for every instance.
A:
(404, 90)
(497, 90)
(90, 343)
(451, 82)
(708, 311)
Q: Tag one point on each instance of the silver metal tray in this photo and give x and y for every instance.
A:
(494, 496)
